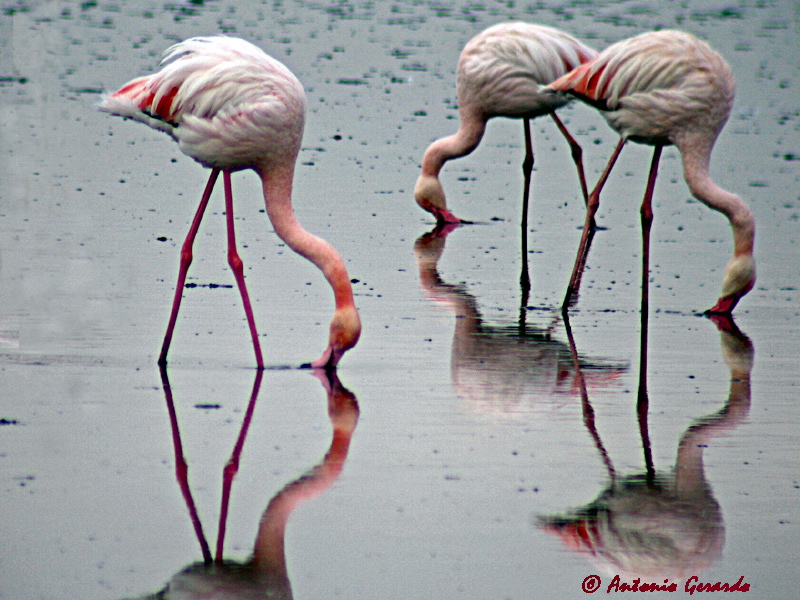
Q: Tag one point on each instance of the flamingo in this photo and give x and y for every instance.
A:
(662, 88)
(231, 107)
(657, 524)
(505, 369)
(265, 573)
(501, 73)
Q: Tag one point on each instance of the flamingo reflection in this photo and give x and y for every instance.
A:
(265, 574)
(661, 525)
(503, 368)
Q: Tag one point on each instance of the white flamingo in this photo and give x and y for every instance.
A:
(501, 73)
(231, 107)
(661, 88)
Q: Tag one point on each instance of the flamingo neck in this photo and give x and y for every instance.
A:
(469, 135)
(268, 553)
(277, 185)
(738, 353)
(696, 155)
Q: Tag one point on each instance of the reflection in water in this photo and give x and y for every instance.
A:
(503, 368)
(662, 525)
(265, 574)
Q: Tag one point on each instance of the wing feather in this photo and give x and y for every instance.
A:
(655, 84)
(224, 100)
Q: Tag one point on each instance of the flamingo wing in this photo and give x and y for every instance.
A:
(224, 100)
(502, 69)
(655, 85)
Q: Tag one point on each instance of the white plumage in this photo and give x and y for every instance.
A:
(501, 73)
(226, 102)
(654, 85)
(230, 106)
(660, 88)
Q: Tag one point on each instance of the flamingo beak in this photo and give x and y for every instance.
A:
(724, 306)
(444, 216)
(329, 359)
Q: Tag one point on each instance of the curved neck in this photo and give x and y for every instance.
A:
(467, 138)
(696, 154)
(277, 185)
(269, 551)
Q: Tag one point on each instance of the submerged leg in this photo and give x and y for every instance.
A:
(642, 402)
(238, 268)
(527, 167)
(577, 155)
(586, 406)
(186, 260)
(592, 205)
(182, 468)
(232, 466)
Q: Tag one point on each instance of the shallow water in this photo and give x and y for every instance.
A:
(473, 443)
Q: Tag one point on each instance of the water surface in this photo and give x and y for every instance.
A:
(477, 469)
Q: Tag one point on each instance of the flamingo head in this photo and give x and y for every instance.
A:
(578, 534)
(344, 333)
(429, 194)
(739, 278)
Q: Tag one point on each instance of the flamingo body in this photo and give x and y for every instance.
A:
(502, 70)
(656, 87)
(664, 88)
(501, 73)
(227, 103)
(230, 107)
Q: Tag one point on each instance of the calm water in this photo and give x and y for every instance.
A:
(454, 456)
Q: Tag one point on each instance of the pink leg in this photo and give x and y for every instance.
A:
(182, 469)
(586, 406)
(186, 260)
(238, 268)
(232, 467)
(577, 155)
(647, 221)
(527, 167)
(642, 397)
(592, 205)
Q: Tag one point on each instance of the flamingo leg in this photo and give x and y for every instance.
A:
(183, 268)
(527, 168)
(237, 267)
(586, 406)
(642, 401)
(232, 466)
(182, 468)
(647, 221)
(577, 155)
(593, 203)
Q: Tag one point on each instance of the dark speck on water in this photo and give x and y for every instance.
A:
(211, 286)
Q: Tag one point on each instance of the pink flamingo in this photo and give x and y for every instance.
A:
(662, 88)
(265, 573)
(501, 73)
(231, 107)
